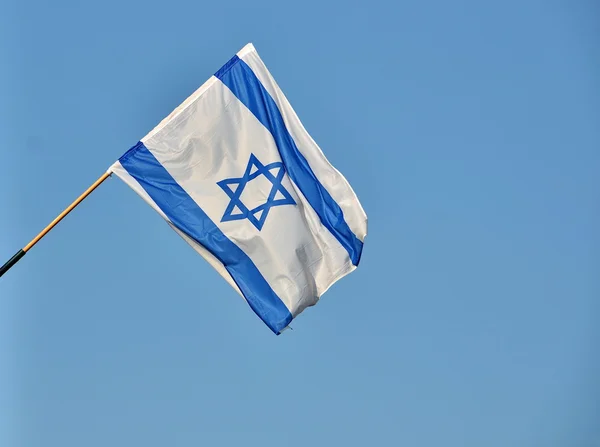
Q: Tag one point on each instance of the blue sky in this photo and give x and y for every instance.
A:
(469, 131)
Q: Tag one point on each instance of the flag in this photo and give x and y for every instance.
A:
(233, 171)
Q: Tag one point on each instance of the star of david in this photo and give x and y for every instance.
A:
(234, 187)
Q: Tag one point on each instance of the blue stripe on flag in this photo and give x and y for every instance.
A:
(244, 84)
(187, 216)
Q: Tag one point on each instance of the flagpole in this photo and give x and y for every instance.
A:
(18, 255)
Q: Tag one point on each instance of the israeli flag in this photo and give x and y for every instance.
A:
(234, 172)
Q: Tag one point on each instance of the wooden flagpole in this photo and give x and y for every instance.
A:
(12, 261)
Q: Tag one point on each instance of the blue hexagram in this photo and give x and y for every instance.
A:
(273, 172)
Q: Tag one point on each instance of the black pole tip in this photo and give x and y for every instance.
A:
(12, 261)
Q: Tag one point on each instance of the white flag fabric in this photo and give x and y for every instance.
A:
(234, 172)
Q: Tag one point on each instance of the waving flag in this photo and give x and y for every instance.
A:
(234, 172)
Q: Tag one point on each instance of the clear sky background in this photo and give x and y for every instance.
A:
(470, 131)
